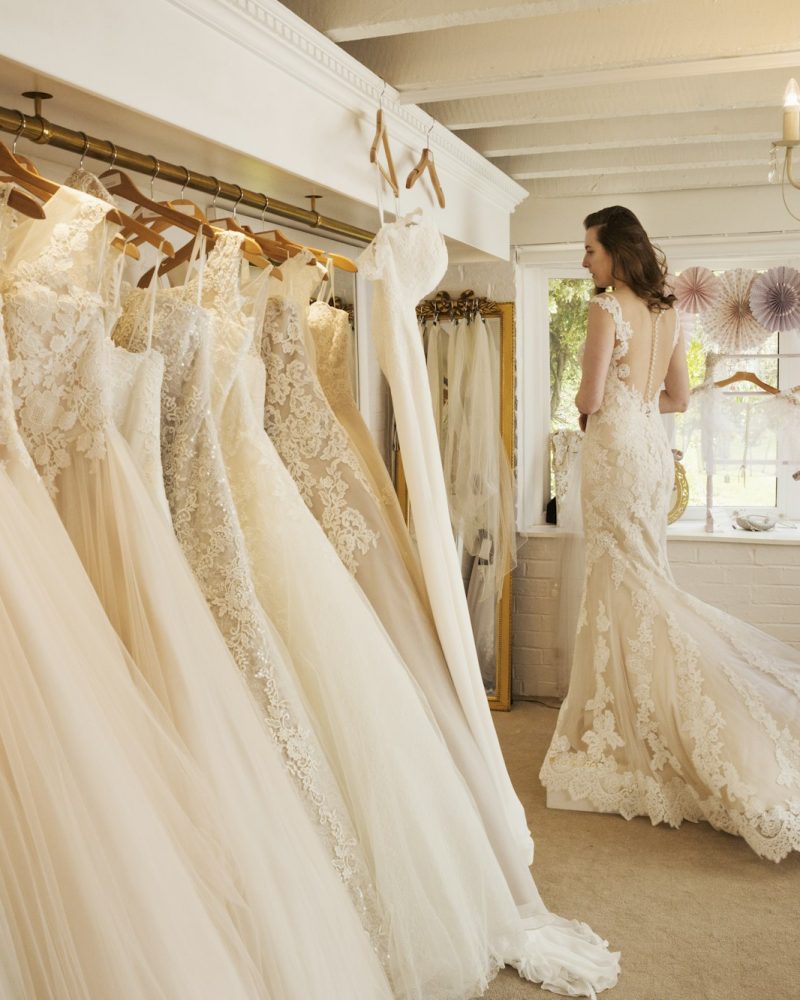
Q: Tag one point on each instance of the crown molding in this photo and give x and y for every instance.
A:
(282, 39)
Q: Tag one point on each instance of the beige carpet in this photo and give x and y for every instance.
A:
(696, 915)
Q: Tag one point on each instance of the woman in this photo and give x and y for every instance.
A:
(675, 710)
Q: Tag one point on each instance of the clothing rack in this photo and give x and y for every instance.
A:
(466, 305)
(47, 133)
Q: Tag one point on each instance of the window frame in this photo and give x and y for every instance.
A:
(536, 265)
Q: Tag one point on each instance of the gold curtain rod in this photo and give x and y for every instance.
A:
(47, 133)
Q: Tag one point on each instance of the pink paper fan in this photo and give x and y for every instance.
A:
(775, 299)
(697, 289)
(730, 325)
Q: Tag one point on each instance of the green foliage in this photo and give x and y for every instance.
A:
(568, 303)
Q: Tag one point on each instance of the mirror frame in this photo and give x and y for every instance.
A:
(500, 699)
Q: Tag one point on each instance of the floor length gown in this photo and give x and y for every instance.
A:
(299, 927)
(675, 710)
(329, 475)
(206, 524)
(113, 881)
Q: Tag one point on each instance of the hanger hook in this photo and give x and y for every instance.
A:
(428, 136)
(83, 151)
(156, 172)
(236, 203)
(380, 99)
(23, 123)
(113, 154)
(264, 210)
(216, 194)
(188, 174)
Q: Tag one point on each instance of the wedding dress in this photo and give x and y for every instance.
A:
(112, 883)
(675, 710)
(404, 262)
(330, 332)
(299, 928)
(206, 524)
(331, 480)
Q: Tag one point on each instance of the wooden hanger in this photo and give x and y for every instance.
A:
(24, 203)
(120, 184)
(382, 137)
(320, 256)
(424, 163)
(741, 376)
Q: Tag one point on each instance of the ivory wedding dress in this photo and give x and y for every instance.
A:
(675, 710)
(112, 883)
(335, 487)
(297, 923)
(205, 521)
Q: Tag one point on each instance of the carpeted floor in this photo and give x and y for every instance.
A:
(695, 913)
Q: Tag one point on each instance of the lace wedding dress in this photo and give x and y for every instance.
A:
(675, 710)
(330, 332)
(299, 928)
(205, 521)
(329, 475)
(113, 878)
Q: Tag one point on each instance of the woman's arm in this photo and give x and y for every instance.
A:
(674, 396)
(596, 359)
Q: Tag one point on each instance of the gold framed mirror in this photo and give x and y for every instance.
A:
(499, 319)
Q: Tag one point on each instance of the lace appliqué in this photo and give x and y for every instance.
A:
(56, 337)
(308, 437)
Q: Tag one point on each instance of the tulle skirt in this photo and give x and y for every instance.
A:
(303, 933)
(112, 881)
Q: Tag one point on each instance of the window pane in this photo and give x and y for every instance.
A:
(745, 446)
(569, 303)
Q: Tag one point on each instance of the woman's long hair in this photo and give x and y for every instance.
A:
(636, 261)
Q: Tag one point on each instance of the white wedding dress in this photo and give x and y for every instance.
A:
(675, 710)
(296, 921)
(114, 881)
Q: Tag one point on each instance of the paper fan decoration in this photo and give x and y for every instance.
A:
(775, 299)
(697, 289)
(730, 325)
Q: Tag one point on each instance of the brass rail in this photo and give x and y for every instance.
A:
(45, 132)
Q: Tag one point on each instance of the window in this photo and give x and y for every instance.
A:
(753, 460)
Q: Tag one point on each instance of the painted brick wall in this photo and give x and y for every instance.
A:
(758, 582)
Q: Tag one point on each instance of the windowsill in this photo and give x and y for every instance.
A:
(694, 531)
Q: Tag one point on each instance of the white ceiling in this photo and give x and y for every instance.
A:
(587, 97)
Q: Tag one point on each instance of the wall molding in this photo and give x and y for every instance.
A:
(278, 36)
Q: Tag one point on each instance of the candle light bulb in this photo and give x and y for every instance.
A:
(791, 112)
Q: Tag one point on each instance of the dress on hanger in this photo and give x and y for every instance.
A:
(328, 473)
(404, 261)
(296, 922)
(449, 917)
(206, 524)
(113, 882)
(675, 709)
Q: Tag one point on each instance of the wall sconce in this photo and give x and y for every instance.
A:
(791, 135)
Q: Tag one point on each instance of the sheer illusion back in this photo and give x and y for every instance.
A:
(643, 344)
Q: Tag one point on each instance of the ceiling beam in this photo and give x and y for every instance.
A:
(627, 75)
(649, 98)
(355, 20)
(618, 186)
(644, 158)
(758, 125)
